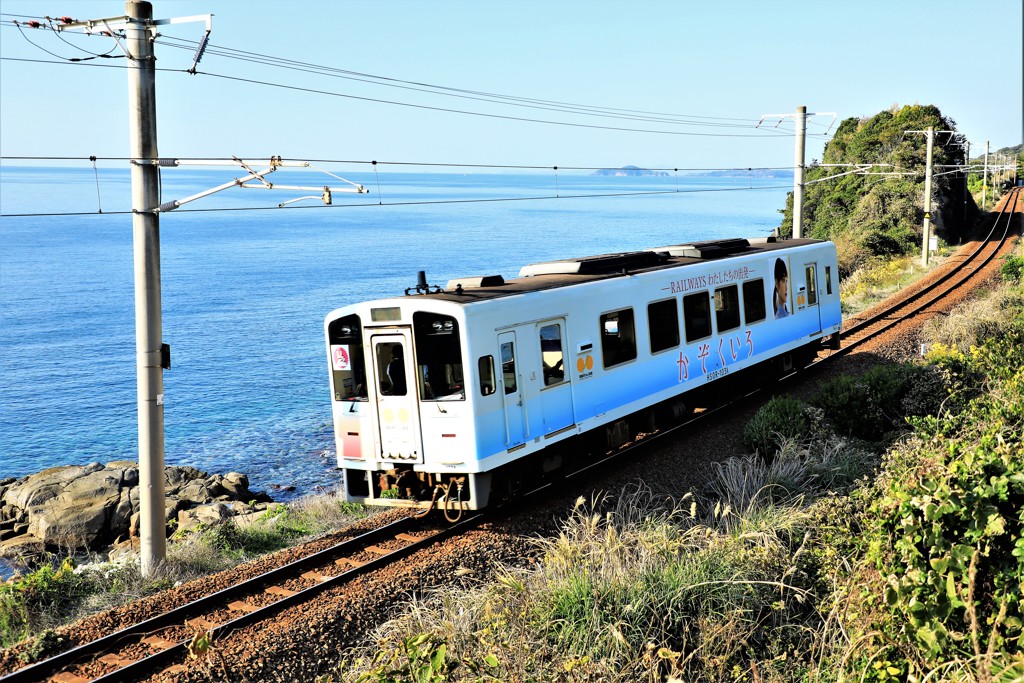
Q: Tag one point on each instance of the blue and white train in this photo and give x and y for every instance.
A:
(454, 397)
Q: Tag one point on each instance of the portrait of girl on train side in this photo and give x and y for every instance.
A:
(781, 293)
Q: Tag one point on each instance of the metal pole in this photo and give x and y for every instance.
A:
(984, 183)
(146, 236)
(927, 231)
(798, 173)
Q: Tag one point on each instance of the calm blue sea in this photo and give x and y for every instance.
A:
(245, 294)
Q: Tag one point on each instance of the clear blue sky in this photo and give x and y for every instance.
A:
(735, 59)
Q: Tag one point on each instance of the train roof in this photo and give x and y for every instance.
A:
(574, 271)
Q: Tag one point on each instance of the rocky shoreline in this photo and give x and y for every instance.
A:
(89, 507)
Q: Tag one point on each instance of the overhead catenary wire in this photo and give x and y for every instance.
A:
(425, 202)
(537, 167)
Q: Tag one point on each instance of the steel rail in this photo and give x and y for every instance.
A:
(1006, 211)
(177, 615)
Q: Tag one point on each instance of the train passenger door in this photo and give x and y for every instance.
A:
(555, 390)
(516, 429)
(808, 296)
(397, 411)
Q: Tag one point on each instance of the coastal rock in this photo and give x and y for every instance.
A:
(88, 506)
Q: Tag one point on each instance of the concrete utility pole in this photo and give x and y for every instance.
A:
(798, 172)
(798, 165)
(151, 354)
(148, 321)
(927, 229)
(984, 182)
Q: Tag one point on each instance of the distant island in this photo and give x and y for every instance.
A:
(629, 171)
(747, 173)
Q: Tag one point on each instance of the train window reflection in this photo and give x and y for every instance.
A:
(697, 316)
(753, 301)
(618, 337)
(438, 357)
(727, 308)
(551, 354)
(485, 367)
(663, 323)
(508, 367)
(348, 366)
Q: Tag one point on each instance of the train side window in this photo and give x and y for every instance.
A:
(812, 286)
(663, 322)
(347, 363)
(618, 337)
(508, 367)
(727, 308)
(828, 279)
(552, 357)
(485, 367)
(697, 316)
(753, 301)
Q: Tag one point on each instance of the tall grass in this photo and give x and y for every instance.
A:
(639, 587)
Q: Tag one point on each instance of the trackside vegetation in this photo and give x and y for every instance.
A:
(60, 590)
(881, 540)
(879, 215)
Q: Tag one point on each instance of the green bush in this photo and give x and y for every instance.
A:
(950, 536)
(874, 405)
(780, 419)
(1012, 268)
(45, 593)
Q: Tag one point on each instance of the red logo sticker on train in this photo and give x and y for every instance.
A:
(340, 356)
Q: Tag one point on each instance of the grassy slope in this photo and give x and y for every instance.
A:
(879, 548)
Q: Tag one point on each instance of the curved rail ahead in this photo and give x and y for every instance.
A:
(905, 308)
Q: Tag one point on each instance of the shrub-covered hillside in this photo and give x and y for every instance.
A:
(881, 215)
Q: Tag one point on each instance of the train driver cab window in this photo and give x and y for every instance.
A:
(485, 367)
(727, 308)
(697, 316)
(663, 322)
(348, 366)
(828, 279)
(552, 357)
(618, 337)
(812, 286)
(438, 357)
(753, 301)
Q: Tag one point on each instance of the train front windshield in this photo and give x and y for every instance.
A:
(438, 357)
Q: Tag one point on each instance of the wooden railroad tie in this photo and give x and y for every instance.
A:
(347, 561)
(315, 576)
(242, 606)
(278, 590)
(67, 677)
(407, 537)
(158, 642)
(112, 659)
(376, 550)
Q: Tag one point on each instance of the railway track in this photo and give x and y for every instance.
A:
(162, 643)
(908, 306)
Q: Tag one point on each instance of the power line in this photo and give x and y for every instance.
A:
(508, 100)
(549, 105)
(411, 203)
(504, 117)
(531, 167)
